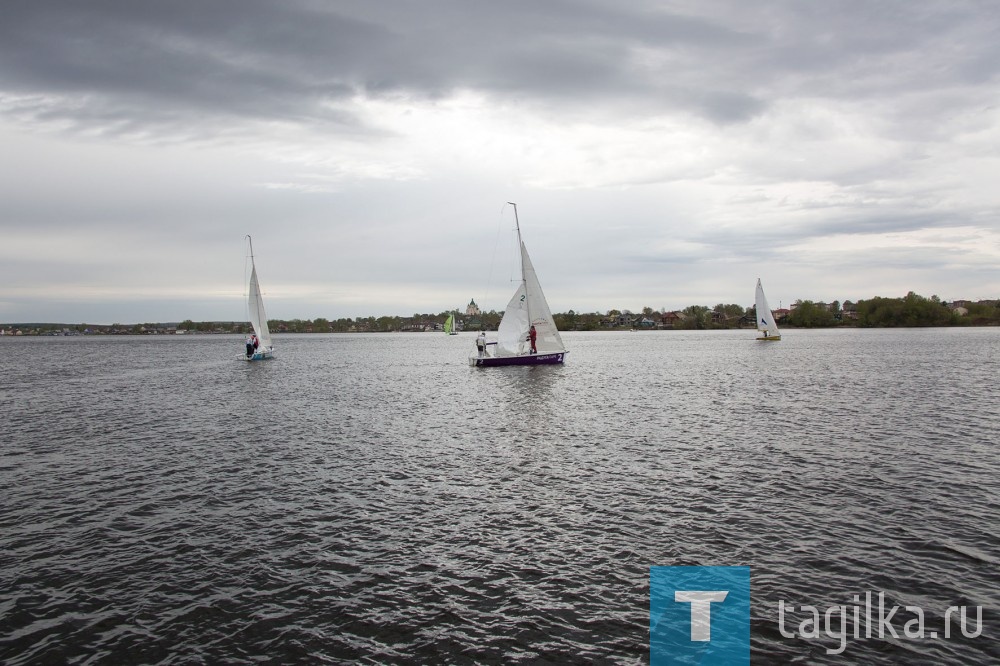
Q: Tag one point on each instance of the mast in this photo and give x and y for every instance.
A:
(520, 249)
(246, 282)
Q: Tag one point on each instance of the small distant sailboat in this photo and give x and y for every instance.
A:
(258, 318)
(765, 318)
(449, 325)
(527, 334)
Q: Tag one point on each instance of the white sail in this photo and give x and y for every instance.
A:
(513, 327)
(547, 335)
(527, 308)
(765, 318)
(258, 318)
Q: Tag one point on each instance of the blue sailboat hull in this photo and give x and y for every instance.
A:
(258, 355)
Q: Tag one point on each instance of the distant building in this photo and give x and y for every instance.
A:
(671, 319)
(472, 310)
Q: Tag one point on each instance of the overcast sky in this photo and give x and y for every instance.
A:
(662, 154)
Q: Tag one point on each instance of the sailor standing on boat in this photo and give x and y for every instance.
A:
(249, 346)
(481, 343)
(532, 335)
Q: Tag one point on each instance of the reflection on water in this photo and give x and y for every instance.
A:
(373, 497)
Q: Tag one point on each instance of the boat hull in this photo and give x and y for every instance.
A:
(258, 356)
(551, 358)
(770, 338)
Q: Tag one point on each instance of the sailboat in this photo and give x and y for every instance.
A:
(765, 318)
(527, 334)
(449, 325)
(258, 319)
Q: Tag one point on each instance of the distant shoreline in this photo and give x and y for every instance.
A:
(910, 311)
(60, 330)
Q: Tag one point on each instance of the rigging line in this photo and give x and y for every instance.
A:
(493, 261)
(510, 259)
(515, 249)
(246, 285)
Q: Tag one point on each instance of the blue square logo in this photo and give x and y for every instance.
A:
(699, 615)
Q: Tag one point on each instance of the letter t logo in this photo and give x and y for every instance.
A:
(701, 610)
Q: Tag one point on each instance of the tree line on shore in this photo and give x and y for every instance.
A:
(908, 311)
(911, 310)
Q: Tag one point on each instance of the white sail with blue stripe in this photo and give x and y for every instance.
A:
(765, 318)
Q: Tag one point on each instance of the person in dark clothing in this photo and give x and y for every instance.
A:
(249, 346)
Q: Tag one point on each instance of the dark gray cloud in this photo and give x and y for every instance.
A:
(173, 63)
(127, 62)
(124, 63)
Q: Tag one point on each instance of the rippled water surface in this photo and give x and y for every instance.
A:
(372, 498)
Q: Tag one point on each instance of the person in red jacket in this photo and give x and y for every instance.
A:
(532, 334)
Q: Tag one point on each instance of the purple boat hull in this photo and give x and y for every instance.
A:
(527, 359)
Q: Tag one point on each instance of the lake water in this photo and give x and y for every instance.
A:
(373, 498)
